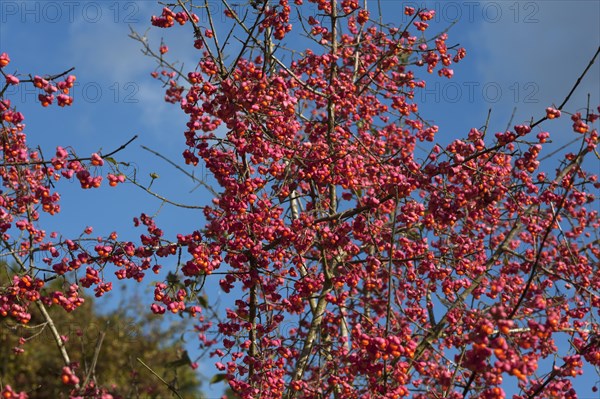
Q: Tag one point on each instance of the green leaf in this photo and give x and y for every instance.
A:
(218, 378)
(111, 160)
(203, 301)
(172, 278)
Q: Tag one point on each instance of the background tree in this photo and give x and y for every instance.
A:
(106, 347)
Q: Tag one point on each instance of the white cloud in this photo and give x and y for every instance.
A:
(104, 50)
(538, 50)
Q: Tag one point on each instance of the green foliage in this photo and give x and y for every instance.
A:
(117, 339)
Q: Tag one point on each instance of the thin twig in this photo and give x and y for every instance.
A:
(579, 79)
(95, 358)
(169, 386)
(55, 334)
(164, 199)
(122, 147)
(185, 172)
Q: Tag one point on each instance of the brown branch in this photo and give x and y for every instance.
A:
(48, 319)
(95, 358)
(252, 314)
(249, 37)
(558, 370)
(122, 147)
(576, 163)
(309, 341)
(185, 172)
(148, 51)
(560, 107)
(56, 335)
(215, 41)
(164, 199)
(437, 331)
(30, 80)
(169, 386)
(259, 43)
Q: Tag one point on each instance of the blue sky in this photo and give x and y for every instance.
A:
(520, 54)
